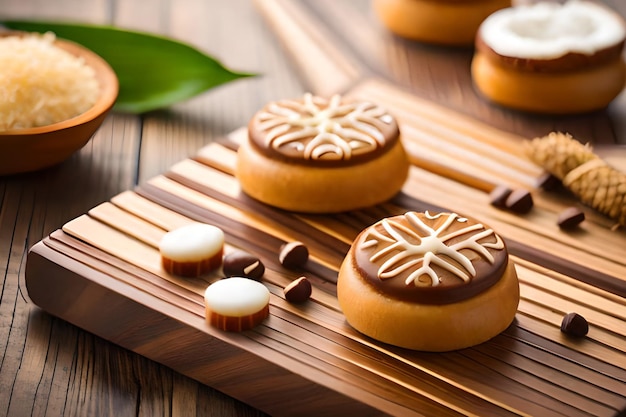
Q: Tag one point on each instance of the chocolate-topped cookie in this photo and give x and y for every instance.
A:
(431, 259)
(319, 155)
(315, 131)
(432, 282)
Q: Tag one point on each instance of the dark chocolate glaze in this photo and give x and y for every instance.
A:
(451, 287)
(328, 133)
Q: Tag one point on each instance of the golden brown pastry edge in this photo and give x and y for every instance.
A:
(569, 92)
(437, 22)
(308, 189)
(434, 328)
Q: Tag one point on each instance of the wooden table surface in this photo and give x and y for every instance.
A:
(50, 367)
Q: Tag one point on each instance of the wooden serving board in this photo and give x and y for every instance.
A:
(102, 273)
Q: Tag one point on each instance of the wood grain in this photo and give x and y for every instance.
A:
(51, 367)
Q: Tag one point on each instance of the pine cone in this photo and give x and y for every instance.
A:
(596, 183)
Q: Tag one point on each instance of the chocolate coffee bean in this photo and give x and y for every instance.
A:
(242, 264)
(519, 201)
(298, 291)
(549, 182)
(293, 255)
(574, 324)
(570, 218)
(498, 196)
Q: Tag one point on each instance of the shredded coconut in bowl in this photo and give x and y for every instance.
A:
(41, 84)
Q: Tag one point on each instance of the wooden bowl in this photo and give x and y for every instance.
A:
(30, 149)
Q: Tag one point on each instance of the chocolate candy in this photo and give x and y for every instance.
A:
(574, 324)
(519, 201)
(242, 264)
(293, 255)
(192, 250)
(236, 304)
(570, 218)
(298, 291)
(549, 182)
(498, 196)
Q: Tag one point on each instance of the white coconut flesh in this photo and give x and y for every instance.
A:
(551, 30)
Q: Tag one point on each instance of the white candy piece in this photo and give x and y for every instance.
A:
(550, 30)
(193, 242)
(236, 297)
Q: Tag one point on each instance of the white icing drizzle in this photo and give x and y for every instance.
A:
(337, 131)
(432, 244)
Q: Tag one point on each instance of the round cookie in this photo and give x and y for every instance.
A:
(428, 282)
(551, 58)
(192, 250)
(322, 156)
(236, 304)
(445, 22)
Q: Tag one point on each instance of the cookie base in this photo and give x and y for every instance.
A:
(567, 92)
(427, 327)
(310, 189)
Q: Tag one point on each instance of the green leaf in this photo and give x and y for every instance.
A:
(153, 71)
